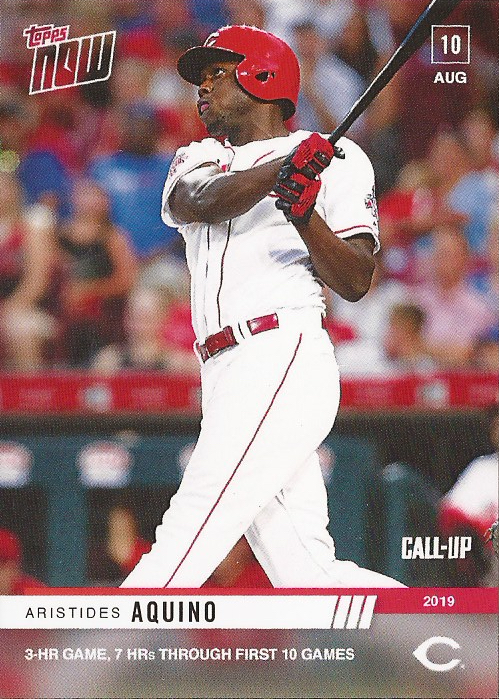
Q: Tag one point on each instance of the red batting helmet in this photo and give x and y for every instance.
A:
(268, 68)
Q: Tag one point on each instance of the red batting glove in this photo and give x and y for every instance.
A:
(310, 157)
(297, 195)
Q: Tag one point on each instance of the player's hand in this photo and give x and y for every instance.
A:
(297, 195)
(310, 157)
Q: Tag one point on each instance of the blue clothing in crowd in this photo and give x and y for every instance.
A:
(210, 14)
(473, 196)
(41, 172)
(134, 184)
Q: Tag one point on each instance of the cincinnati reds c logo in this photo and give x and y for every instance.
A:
(212, 39)
(421, 654)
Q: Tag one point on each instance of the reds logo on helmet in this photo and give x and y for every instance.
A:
(212, 39)
(267, 68)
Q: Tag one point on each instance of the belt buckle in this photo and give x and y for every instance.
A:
(224, 339)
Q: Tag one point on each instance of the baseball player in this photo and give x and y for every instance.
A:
(268, 217)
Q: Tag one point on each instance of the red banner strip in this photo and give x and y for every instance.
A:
(160, 393)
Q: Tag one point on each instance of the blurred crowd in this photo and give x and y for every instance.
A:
(90, 277)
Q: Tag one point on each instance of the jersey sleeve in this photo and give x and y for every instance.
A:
(347, 200)
(186, 159)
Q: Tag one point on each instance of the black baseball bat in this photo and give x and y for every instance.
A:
(436, 11)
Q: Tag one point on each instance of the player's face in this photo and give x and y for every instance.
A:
(222, 104)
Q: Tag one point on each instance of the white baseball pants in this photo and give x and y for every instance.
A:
(268, 403)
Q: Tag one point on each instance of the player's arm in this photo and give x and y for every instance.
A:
(345, 266)
(40, 255)
(210, 195)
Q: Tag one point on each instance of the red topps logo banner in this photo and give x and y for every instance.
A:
(43, 35)
(59, 62)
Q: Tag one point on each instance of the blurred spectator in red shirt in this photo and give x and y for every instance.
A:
(54, 130)
(71, 125)
(178, 339)
(144, 44)
(98, 271)
(27, 261)
(470, 508)
(408, 211)
(457, 315)
(12, 579)
(172, 279)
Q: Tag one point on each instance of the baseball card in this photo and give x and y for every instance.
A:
(249, 349)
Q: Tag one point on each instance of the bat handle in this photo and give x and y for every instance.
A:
(336, 135)
(353, 114)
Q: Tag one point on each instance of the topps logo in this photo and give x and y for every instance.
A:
(59, 62)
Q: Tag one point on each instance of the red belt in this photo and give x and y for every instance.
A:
(225, 338)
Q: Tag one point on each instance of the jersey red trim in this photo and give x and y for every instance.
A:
(263, 156)
(364, 226)
(238, 464)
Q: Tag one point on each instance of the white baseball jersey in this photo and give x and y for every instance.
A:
(257, 263)
(271, 399)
